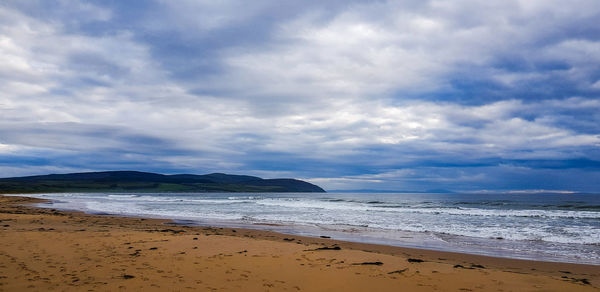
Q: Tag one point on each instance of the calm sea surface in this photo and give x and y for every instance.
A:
(553, 227)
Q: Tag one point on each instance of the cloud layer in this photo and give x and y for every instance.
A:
(417, 95)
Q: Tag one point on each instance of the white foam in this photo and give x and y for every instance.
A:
(351, 206)
(554, 226)
(122, 196)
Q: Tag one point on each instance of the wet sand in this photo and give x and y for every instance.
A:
(50, 250)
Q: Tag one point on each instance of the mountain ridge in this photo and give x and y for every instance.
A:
(138, 181)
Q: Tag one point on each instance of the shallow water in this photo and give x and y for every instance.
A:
(553, 227)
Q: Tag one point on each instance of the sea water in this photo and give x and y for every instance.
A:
(551, 227)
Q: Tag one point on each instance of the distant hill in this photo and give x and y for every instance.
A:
(136, 181)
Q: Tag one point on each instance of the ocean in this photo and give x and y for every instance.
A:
(538, 226)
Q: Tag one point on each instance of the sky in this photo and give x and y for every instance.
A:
(417, 95)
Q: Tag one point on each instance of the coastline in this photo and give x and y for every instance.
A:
(530, 227)
(46, 249)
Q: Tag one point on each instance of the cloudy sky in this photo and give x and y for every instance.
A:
(417, 95)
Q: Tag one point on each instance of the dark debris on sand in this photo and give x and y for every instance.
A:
(411, 260)
(473, 266)
(325, 248)
(369, 264)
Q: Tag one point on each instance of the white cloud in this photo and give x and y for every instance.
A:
(370, 50)
(5, 148)
(323, 86)
(340, 63)
(191, 17)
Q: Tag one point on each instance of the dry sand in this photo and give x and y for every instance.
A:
(45, 250)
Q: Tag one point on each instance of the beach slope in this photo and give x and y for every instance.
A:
(50, 250)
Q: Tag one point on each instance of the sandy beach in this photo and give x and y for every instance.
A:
(50, 250)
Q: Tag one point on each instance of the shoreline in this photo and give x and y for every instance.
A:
(378, 247)
(526, 247)
(340, 236)
(364, 264)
